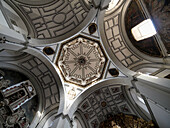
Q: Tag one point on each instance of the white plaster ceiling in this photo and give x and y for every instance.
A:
(81, 61)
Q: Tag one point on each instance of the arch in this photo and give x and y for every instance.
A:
(46, 79)
(43, 22)
(117, 44)
(130, 45)
(79, 103)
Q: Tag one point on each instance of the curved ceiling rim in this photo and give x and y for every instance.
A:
(15, 67)
(77, 115)
(108, 51)
(28, 26)
(128, 42)
(84, 94)
(49, 119)
(34, 2)
(46, 41)
(150, 65)
(133, 104)
(39, 2)
(67, 36)
(36, 53)
(12, 58)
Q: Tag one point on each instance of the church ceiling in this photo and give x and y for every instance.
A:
(119, 42)
(74, 47)
(44, 80)
(14, 86)
(100, 103)
(81, 61)
(134, 16)
(54, 19)
(160, 14)
(48, 82)
(115, 42)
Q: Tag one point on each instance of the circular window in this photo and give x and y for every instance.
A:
(134, 16)
(48, 51)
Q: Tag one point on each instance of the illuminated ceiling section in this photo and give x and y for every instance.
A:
(143, 30)
(112, 4)
(141, 38)
(81, 61)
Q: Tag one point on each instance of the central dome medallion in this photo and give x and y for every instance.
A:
(81, 61)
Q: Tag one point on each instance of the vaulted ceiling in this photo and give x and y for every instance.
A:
(82, 58)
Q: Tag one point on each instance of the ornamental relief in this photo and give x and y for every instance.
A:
(81, 61)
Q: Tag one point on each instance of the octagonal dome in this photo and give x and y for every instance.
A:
(81, 61)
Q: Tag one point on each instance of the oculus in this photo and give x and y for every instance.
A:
(81, 61)
(48, 51)
(145, 45)
(114, 72)
(92, 28)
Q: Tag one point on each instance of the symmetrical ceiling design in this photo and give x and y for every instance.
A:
(104, 101)
(81, 61)
(53, 19)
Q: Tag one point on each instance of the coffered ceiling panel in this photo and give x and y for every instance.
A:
(53, 21)
(102, 102)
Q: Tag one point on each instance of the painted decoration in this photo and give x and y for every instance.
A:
(81, 61)
(18, 99)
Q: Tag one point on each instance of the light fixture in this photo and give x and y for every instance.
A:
(143, 30)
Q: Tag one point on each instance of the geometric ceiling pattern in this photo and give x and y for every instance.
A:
(116, 43)
(118, 40)
(102, 102)
(53, 19)
(85, 61)
(47, 98)
(81, 61)
(45, 77)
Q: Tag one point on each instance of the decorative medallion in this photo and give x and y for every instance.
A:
(103, 104)
(71, 93)
(81, 61)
